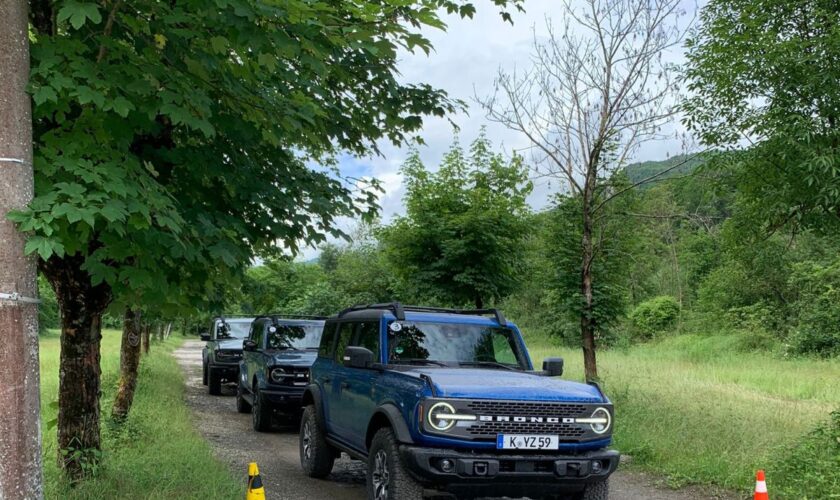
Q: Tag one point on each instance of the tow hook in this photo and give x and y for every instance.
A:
(480, 468)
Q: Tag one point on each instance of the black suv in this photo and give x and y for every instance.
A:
(448, 400)
(223, 351)
(275, 367)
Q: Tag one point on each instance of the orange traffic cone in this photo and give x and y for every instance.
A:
(760, 487)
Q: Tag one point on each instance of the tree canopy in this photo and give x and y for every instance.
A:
(763, 74)
(461, 238)
(176, 141)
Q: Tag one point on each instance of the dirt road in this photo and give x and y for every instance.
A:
(235, 442)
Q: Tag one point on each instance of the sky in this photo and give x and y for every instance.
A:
(465, 61)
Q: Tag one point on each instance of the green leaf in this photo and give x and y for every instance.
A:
(44, 247)
(122, 106)
(79, 12)
(219, 44)
(43, 94)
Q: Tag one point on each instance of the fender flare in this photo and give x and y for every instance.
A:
(395, 419)
(313, 392)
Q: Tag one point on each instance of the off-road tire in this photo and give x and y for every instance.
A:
(595, 491)
(387, 477)
(203, 373)
(214, 382)
(260, 411)
(317, 460)
(242, 406)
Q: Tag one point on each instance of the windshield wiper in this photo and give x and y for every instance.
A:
(418, 361)
(489, 364)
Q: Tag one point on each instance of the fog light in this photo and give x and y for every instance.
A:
(447, 465)
(597, 467)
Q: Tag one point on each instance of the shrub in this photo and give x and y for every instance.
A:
(655, 315)
(818, 310)
(809, 470)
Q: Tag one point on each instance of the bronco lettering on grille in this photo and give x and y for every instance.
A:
(533, 420)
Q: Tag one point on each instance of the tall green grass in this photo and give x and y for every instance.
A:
(156, 453)
(701, 410)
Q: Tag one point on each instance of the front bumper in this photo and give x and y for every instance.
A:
(284, 399)
(502, 474)
(228, 371)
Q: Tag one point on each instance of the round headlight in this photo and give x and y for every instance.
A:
(600, 420)
(277, 375)
(436, 411)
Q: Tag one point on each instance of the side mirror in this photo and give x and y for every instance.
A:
(358, 357)
(249, 345)
(553, 367)
(205, 336)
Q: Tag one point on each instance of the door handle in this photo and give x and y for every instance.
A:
(345, 385)
(326, 380)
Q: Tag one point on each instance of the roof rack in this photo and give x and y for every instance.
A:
(394, 307)
(399, 311)
(276, 315)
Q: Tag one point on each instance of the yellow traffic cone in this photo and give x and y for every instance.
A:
(255, 487)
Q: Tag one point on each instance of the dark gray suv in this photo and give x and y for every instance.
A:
(223, 351)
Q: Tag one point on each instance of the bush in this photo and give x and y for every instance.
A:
(809, 470)
(818, 309)
(655, 315)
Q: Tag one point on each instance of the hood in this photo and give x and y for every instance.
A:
(482, 383)
(293, 357)
(229, 344)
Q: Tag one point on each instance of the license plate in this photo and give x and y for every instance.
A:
(527, 442)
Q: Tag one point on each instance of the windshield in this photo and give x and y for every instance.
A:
(456, 344)
(297, 336)
(232, 330)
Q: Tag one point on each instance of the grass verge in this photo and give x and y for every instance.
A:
(701, 411)
(156, 453)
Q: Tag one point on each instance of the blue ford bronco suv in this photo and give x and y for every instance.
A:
(223, 351)
(274, 372)
(447, 401)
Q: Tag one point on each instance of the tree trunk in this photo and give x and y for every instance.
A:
(20, 408)
(479, 303)
(146, 334)
(82, 305)
(129, 362)
(587, 317)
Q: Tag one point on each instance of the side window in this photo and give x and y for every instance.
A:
(345, 334)
(327, 340)
(257, 333)
(368, 337)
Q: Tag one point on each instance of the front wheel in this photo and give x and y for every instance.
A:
(387, 477)
(214, 382)
(204, 374)
(596, 491)
(316, 455)
(242, 406)
(260, 411)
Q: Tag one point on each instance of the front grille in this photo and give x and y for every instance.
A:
(295, 376)
(530, 409)
(228, 356)
(528, 414)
